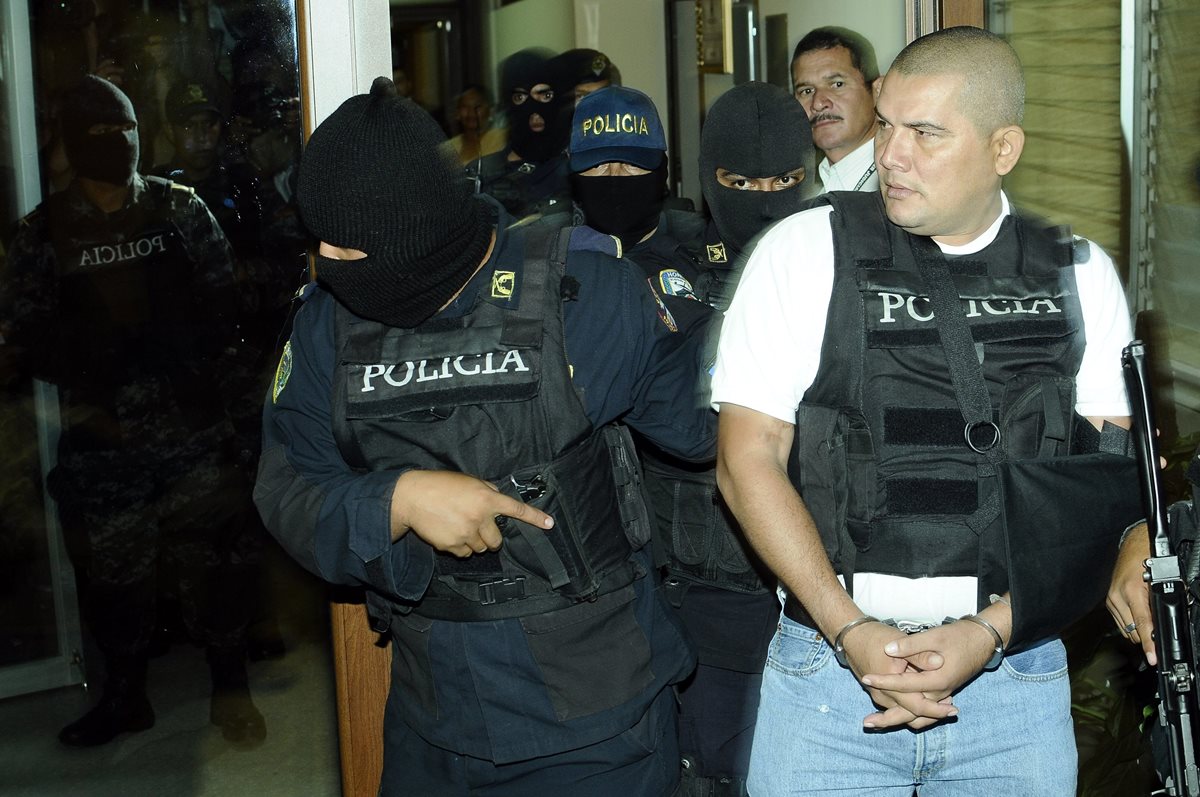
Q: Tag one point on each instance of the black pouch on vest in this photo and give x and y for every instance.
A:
(840, 481)
(627, 477)
(1063, 519)
(581, 556)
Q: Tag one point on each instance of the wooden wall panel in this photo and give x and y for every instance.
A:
(362, 670)
(961, 12)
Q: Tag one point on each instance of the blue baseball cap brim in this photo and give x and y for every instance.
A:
(638, 156)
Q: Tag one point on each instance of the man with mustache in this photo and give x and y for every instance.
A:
(844, 453)
(835, 77)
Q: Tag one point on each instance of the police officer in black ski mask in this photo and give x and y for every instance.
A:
(120, 291)
(99, 130)
(619, 183)
(619, 164)
(756, 152)
(529, 175)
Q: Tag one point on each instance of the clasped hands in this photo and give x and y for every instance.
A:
(912, 677)
(456, 513)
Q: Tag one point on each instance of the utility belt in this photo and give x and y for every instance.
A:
(587, 554)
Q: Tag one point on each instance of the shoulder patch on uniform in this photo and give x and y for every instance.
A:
(664, 314)
(716, 253)
(674, 283)
(502, 284)
(282, 372)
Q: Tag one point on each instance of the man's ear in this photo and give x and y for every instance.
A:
(875, 85)
(1007, 145)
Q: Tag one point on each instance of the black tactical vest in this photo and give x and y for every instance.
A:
(125, 302)
(880, 456)
(490, 394)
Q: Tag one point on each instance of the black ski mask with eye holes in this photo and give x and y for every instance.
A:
(524, 70)
(109, 157)
(755, 130)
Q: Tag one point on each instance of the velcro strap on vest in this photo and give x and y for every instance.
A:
(931, 496)
(940, 427)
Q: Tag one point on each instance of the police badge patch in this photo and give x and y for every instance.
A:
(675, 284)
(664, 314)
(282, 372)
(502, 284)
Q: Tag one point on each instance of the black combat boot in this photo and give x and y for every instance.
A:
(232, 710)
(123, 707)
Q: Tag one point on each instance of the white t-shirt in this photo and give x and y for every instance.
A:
(770, 351)
(855, 172)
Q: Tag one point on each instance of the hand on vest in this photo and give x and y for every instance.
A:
(1129, 595)
(937, 663)
(865, 654)
(454, 512)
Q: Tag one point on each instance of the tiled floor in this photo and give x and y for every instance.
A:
(183, 755)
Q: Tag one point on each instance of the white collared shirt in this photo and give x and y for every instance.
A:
(781, 306)
(855, 172)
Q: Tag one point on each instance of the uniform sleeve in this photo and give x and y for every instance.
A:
(333, 520)
(770, 345)
(212, 277)
(632, 361)
(1100, 385)
(28, 303)
(207, 245)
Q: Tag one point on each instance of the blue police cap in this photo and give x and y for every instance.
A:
(616, 124)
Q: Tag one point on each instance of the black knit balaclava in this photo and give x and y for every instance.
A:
(524, 70)
(756, 130)
(106, 157)
(372, 178)
(626, 207)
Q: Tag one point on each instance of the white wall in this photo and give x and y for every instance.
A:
(880, 21)
(633, 34)
(531, 23)
(348, 45)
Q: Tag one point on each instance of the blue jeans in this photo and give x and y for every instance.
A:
(1013, 734)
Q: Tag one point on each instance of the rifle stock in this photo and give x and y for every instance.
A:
(1177, 701)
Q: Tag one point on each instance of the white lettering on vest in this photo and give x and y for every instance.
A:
(1051, 307)
(370, 373)
(912, 309)
(387, 376)
(918, 307)
(449, 367)
(987, 306)
(459, 367)
(890, 302)
(424, 377)
(513, 356)
(129, 250)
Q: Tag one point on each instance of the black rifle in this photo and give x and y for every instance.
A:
(1177, 703)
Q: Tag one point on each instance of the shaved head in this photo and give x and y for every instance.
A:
(993, 89)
